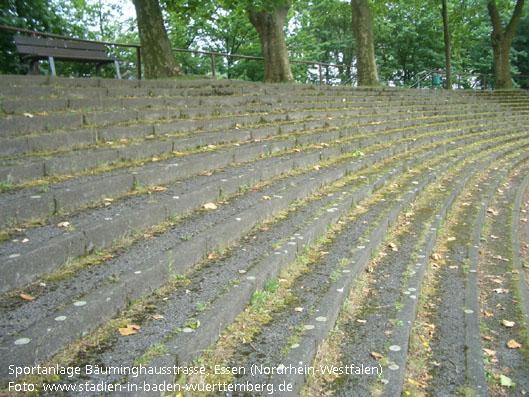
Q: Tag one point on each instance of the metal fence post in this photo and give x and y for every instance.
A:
(138, 61)
(319, 69)
(213, 72)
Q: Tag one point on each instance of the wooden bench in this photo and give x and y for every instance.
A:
(35, 49)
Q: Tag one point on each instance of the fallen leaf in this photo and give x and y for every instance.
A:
(508, 324)
(210, 206)
(63, 224)
(489, 353)
(512, 344)
(487, 314)
(376, 355)
(497, 281)
(27, 297)
(157, 316)
(361, 321)
(28, 115)
(266, 197)
(493, 211)
(436, 257)
(25, 240)
(157, 189)
(450, 239)
(130, 329)
(212, 256)
(298, 309)
(506, 381)
(393, 246)
(316, 167)
(242, 271)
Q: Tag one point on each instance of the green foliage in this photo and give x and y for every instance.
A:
(408, 36)
(321, 31)
(520, 50)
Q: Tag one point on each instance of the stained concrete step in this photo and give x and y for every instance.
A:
(177, 264)
(40, 202)
(12, 171)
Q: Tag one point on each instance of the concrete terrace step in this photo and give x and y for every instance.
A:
(65, 163)
(103, 222)
(180, 259)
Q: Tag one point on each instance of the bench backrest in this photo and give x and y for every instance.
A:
(37, 47)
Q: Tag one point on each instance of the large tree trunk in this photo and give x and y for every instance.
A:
(269, 25)
(156, 49)
(364, 43)
(448, 58)
(501, 43)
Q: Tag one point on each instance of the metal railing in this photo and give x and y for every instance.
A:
(474, 78)
(249, 57)
(211, 54)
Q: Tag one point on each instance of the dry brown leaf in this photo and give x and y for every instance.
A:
(242, 271)
(63, 224)
(157, 189)
(487, 314)
(27, 297)
(361, 321)
(376, 356)
(497, 281)
(28, 115)
(489, 338)
(489, 353)
(298, 309)
(512, 344)
(157, 316)
(436, 257)
(212, 256)
(451, 239)
(130, 329)
(210, 206)
(393, 246)
(508, 324)
(266, 197)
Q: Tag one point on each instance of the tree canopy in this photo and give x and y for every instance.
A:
(407, 35)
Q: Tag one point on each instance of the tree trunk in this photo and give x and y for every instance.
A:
(364, 43)
(155, 46)
(269, 26)
(501, 43)
(448, 57)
